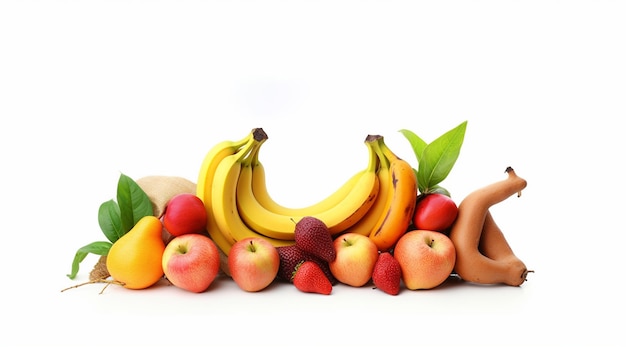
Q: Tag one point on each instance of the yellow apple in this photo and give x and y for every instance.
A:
(253, 263)
(356, 255)
(191, 262)
(426, 258)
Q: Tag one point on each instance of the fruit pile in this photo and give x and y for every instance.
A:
(389, 224)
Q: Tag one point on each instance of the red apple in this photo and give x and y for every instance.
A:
(356, 255)
(434, 212)
(253, 263)
(426, 258)
(191, 262)
(184, 214)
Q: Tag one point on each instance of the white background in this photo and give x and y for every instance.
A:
(92, 89)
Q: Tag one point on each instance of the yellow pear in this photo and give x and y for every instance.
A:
(135, 258)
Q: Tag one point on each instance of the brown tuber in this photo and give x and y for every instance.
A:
(483, 254)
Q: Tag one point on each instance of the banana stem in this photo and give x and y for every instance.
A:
(387, 151)
(374, 159)
(258, 138)
(259, 134)
(244, 141)
(375, 141)
(253, 156)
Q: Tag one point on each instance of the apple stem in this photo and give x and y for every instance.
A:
(430, 243)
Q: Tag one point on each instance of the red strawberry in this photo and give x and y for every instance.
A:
(313, 236)
(387, 274)
(291, 256)
(310, 278)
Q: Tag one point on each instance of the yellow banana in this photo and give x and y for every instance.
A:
(365, 192)
(338, 218)
(205, 181)
(366, 224)
(400, 201)
(246, 202)
(261, 193)
(224, 198)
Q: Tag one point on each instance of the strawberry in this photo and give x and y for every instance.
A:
(313, 236)
(291, 256)
(310, 278)
(387, 274)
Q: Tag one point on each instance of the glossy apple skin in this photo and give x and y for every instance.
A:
(426, 257)
(253, 263)
(184, 214)
(191, 262)
(355, 259)
(435, 212)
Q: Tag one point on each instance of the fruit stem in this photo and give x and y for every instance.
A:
(525, 273)
(101, 280)
(259, 134)
(252, 247)
(509, 170)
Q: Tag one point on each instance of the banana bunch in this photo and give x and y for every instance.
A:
(232, 186)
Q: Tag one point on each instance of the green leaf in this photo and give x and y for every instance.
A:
(439, 157)
(416, 142)
(133, 202)
(116, 218)
(110, 221)
(439, 190)
(98, 248)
